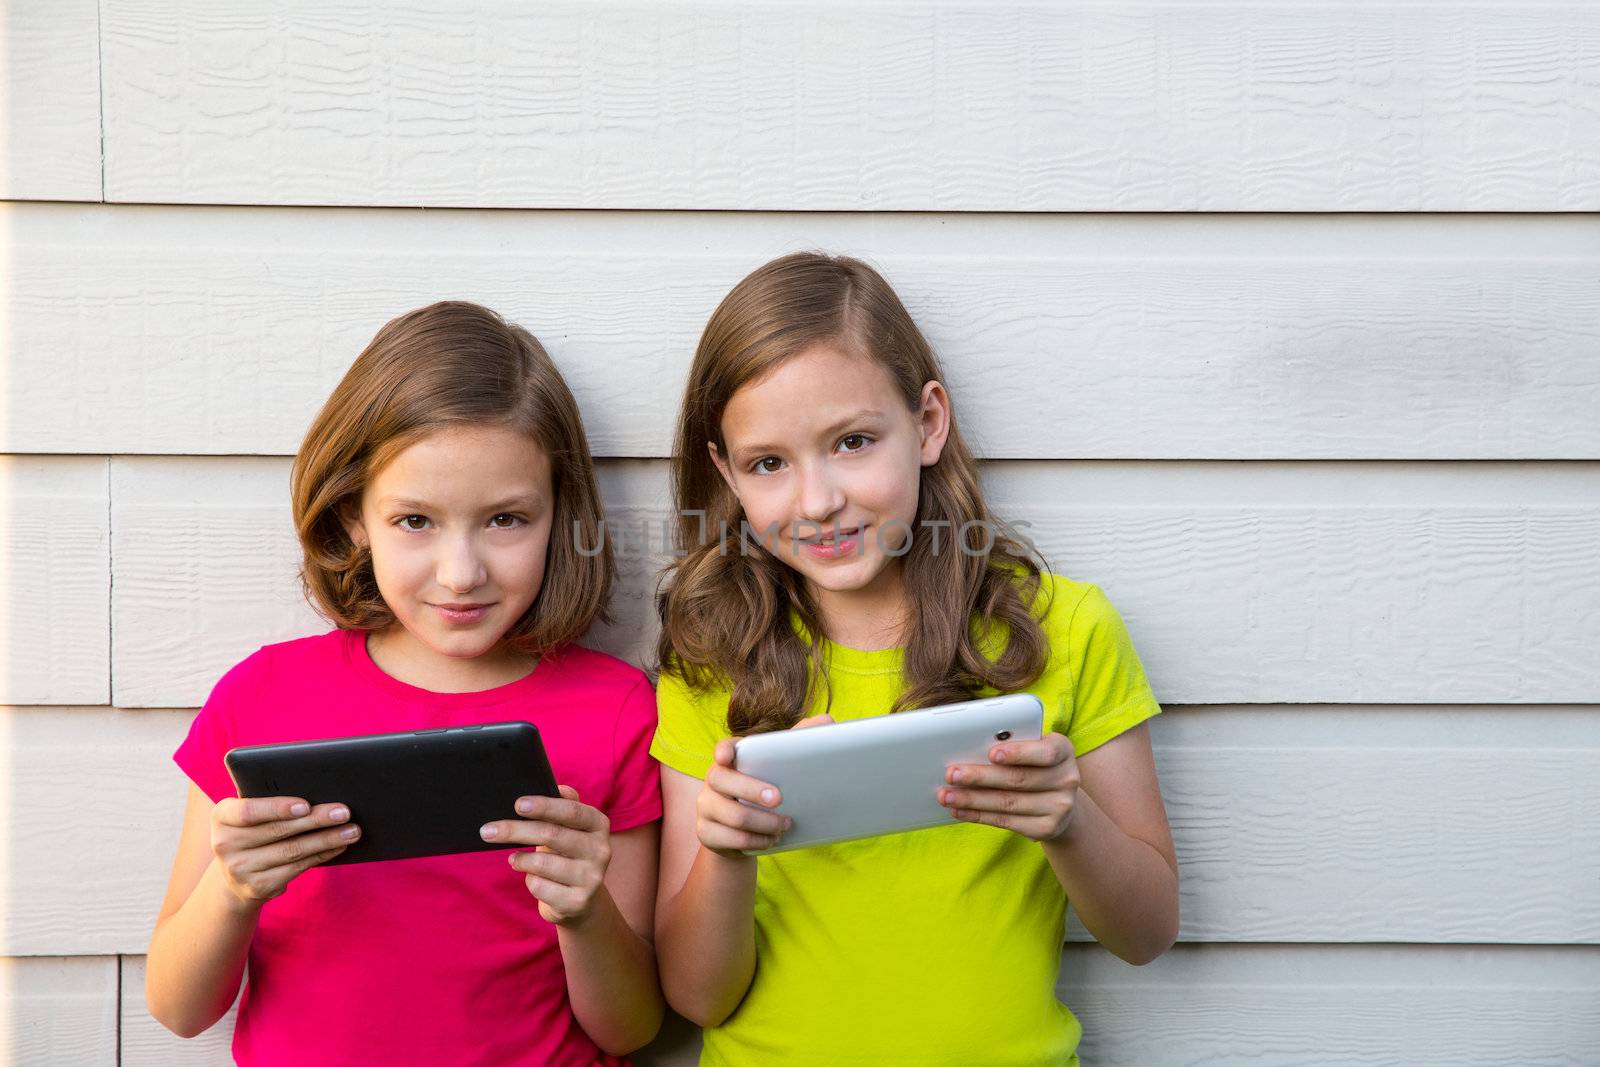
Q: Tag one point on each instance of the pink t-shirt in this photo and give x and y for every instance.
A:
(441, 960)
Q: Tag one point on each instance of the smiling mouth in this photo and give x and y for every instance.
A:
(832, 538)
(462, 612)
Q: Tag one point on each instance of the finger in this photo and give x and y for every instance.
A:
(321, 816)
(720, 838)
(562, 899)
(991, 818)
(1002, 801)
(253, 811)
(568, 791)
(563, 811)
(537, 832)
(732, 783)
(284, 874)
(562, 870)
(812, 720)
(302, 846)
(580, 844)
(1022, 779)
(738, 816)
(723, 755)
(1053, 749)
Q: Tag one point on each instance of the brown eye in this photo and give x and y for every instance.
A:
(769, 464)
(859, 439)
(510, 521)
(414, 522)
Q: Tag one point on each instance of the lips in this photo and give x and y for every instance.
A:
(836, 545)
(462, 614)
(832, 535)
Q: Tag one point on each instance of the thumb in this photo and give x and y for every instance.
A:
(568, 792)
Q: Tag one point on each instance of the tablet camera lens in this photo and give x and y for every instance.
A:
(1003, 735)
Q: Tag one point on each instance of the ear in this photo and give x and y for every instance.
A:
(934, 422)
(722, 466)
(354, 528)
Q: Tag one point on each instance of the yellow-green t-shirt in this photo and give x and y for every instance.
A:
(939, 946)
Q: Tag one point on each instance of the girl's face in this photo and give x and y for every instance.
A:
(459, 528)
(826, 461)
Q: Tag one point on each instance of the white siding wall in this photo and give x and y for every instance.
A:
(1340, 472)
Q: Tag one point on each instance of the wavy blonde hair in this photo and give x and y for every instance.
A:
(725, 601)
(448, 364)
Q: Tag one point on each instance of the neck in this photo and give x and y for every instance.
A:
(402, 657)
(871, 618)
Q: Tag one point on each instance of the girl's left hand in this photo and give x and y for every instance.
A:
(566, 872)
(1031, 788)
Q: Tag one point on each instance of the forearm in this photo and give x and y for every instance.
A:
(611, 979)
(1123, 889)
(706, 938)
(197, 957)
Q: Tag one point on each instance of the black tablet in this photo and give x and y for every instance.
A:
(417, 793)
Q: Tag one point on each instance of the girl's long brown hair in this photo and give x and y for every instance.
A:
(449, 364)
(725, 602)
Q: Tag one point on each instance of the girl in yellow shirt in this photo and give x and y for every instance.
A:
(839, 561)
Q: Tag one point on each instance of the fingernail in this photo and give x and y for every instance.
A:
(958, 776)
(350, 833)
(489, 831)
(299, 809)
(339, 814)
(768, 796)
(999, 756)
(525, 805)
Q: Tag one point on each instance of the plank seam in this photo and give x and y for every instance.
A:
(111, 600)
(100, 76)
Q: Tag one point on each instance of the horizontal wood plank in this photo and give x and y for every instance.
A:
(55, 585)
(183, 330)
(1254, 583)
(58, 1011)
(1292, 824)
(49, 100)
(207, 571)
(969, 106)
(1336, 808)
(90, 810)
(1399, 1006)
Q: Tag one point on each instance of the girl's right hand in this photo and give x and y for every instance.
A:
(723, 824)
(261, 843)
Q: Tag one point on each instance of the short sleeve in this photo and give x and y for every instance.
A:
(215, 728)
(636, 784)
(690, 725)
(1110, 693)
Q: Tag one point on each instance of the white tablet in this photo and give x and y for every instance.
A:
(845, 780)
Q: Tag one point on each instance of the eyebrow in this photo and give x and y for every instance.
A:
(745, 451)
(531, 500)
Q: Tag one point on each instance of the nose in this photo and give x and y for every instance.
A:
(460, 567)
(820, 494)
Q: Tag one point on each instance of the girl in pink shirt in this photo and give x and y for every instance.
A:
(446, 504)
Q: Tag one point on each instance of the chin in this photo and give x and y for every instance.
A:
(462, 646)
(848, 579)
